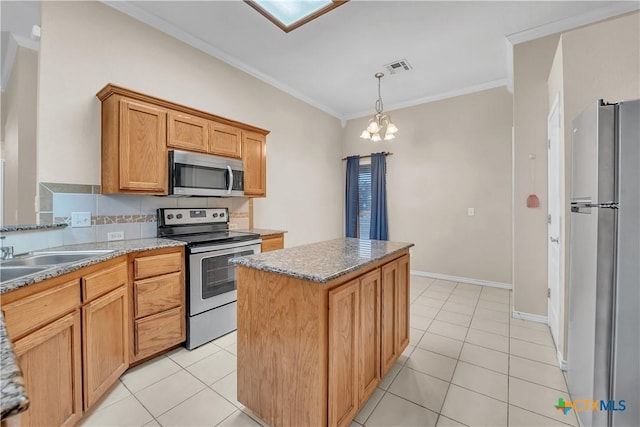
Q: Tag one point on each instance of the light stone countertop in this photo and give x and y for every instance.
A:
(261, 231)
(13, 396)
(119, 247)
(323, 261)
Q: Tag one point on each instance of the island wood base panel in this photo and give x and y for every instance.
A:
(311, 354)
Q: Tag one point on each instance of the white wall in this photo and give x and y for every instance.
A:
(86, 45)
(448, 156)
(19, 139)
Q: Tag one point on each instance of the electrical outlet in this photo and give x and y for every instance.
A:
(115, 235)
(471, 211)
(80, 219)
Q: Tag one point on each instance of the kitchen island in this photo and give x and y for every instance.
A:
(319, 326)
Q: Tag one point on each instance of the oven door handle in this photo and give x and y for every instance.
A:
(217, 249)
(230, 187)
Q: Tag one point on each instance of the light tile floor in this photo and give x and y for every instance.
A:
(468, 363)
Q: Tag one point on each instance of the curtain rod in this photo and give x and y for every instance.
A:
(386, 153)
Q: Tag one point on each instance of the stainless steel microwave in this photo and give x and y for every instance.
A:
(192, 174)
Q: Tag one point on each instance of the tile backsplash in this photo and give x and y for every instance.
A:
(132, 214)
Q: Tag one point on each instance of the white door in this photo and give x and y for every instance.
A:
(553, 220)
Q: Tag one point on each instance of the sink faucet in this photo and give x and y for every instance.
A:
(7, 252)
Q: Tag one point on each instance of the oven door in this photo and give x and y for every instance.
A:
(212, 280)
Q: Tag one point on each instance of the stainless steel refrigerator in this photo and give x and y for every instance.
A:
(604, 297)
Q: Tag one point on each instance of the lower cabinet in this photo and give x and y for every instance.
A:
(72, 335)
(320, 355)
(50, 361)
(395, 311)
(272, 242)
(105, 343)
(354, 346)
(344, 319)
(158, 317)
(368, 330)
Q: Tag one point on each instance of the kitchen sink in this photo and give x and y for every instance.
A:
(51, 258)
(10, 273)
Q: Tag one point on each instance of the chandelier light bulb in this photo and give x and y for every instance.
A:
(380, 123)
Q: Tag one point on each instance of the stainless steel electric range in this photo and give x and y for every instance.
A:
(210, 279)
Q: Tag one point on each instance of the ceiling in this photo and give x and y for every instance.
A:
(454, 47)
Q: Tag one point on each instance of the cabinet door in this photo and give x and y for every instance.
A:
(187, 132)
(225, 140)
(343, 353)
(143, 151)
(402, 334)
(389, 347)
(272, 243)
(50, 359)
(369, 335)
(105, 344)
(254, 156)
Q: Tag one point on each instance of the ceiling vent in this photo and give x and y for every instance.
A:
(399, 66)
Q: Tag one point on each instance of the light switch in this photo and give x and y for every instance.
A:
(471, 211)
(80, 219)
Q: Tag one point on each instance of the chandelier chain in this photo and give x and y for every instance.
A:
(379, 105)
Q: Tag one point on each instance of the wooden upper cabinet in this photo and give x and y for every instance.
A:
(139, 129)
(254, 156)
(225, 140)
(187, 132)
(143, 154)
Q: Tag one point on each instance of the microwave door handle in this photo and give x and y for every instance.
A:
(230, 179)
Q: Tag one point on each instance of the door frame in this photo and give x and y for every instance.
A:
(554, 128)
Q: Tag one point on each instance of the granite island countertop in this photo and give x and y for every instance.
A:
(13, 396)
(323, 261)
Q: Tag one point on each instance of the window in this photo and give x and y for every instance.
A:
(364, 201)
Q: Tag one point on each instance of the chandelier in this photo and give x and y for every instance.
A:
(380, 126)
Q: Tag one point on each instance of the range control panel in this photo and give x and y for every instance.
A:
(195, 216)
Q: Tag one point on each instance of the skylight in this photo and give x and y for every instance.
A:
(291, 14)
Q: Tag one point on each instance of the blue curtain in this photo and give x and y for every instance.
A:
(351, 202)
(378, 197)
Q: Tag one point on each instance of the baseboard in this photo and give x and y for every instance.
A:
(562, 362)
(528, 316)
(468, 280)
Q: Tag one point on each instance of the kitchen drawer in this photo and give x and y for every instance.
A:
(39, 309)
(159, 332)
(272, 243)
(156, 265)
(102, 281)
(158, 294)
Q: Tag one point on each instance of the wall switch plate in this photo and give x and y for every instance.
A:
(115, 235)
(80, 219)
(471, 211)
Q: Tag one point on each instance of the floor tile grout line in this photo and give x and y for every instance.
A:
(542, 415)
(538, 384)
(179, 403)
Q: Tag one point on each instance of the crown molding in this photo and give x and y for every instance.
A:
(437, 97)
(8, 61)
(160, 24)
(573, 22)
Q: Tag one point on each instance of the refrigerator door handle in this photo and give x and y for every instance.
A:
(585, 207)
